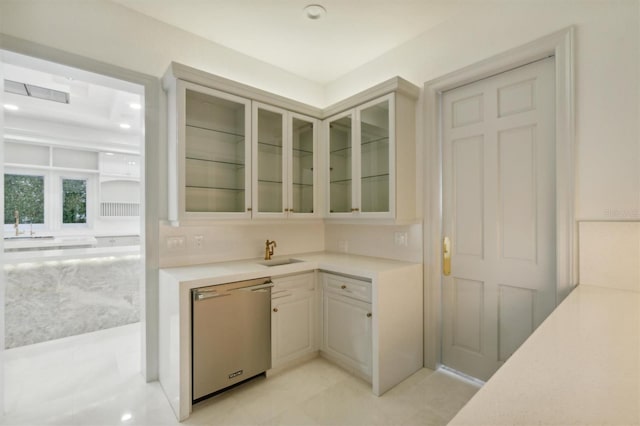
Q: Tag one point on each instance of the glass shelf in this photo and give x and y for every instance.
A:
(341, 181)
(382, 175)
(229, 163)
(270, 144)
(379, 139)
(239, 136)
(269, 181)
(303, 184)
(302, 151)
(213, 188)
(340, 150)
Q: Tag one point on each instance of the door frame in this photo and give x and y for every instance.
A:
(154, 141)
(560, 45)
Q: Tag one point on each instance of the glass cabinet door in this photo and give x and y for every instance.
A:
(270, 151)
(215, 153)
(302, 165)
(374, 157)
(340, 163)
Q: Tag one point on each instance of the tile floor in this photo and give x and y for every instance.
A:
(94, 379)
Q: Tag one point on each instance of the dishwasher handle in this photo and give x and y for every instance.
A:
(207, 294)
(259, 287)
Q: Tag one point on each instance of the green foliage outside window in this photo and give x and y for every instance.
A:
(26, 195)
(74, 201)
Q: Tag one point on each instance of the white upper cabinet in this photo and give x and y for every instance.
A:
(237, 152)
(371, 160)
(211, 160)
(284, 163)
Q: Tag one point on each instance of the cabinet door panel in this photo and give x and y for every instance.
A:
(375, 157)
(294, 324)
(215, 152)
(340, 133)
(270, 151)
(303, 153)
(347, 331)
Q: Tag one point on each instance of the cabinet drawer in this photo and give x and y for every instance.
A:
(349, 287)
(286, 286)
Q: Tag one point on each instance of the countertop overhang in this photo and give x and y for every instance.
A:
(580, 367)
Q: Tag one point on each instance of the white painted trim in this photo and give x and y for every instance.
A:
(203, 78)
(560, 45)
(152, 151)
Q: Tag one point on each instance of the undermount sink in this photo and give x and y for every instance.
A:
(278, 262)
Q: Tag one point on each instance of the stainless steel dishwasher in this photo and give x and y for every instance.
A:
(231, 334)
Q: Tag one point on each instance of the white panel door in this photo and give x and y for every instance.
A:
(499, 213)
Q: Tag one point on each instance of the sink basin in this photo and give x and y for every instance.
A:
(278, 262)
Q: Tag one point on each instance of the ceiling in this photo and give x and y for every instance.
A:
(278, 32)
(99, 111)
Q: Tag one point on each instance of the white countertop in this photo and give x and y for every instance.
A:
(580, 367)
(219, 273)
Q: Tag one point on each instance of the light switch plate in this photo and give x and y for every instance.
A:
(401, 239)
(176, 243)
(199, 241)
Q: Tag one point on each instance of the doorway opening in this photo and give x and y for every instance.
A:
(73, 146)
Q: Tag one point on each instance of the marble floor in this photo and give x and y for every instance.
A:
(94, 379)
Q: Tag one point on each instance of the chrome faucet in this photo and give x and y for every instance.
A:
(268, 249)
(16, 225)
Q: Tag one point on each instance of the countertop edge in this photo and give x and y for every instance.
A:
(581, 366)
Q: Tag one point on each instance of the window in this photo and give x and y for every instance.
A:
(24, 194)
(74, 201)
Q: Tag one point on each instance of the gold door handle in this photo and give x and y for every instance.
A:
(446, 256)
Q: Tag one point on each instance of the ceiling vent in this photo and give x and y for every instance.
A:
(36, 91)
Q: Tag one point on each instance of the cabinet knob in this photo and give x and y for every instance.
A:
(369, 315)
(291, 210)
(275, 309)
(343, 286)
(248, 209)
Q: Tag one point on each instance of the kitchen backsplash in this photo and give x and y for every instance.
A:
(399, 242)
(192, 245)
(610, 254)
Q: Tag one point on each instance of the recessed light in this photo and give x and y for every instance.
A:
(126, 417)
(135, 105)
(11, 107)
(125, 126)
(315, 11)
(109, 153)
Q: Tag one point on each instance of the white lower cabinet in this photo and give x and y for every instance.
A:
(294, 323)
(346, 312)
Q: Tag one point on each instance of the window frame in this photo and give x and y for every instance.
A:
(53, 199)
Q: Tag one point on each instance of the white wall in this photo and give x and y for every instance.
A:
(610, 254)
(111, 33)
(607, 56)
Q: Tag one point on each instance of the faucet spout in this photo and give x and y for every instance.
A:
(268, 249)
(16, 225)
